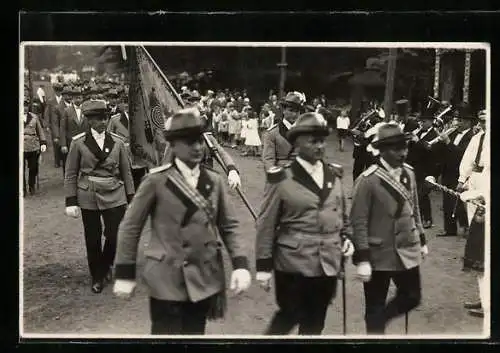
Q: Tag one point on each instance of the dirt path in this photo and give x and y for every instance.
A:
(57, 297)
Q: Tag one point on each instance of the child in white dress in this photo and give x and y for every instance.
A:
(252, 140)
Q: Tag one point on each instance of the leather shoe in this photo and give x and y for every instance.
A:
(97, 287)
(446, 235)
(109, 276)
(476, 313)
(472, 305)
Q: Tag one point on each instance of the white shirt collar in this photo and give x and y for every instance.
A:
(58, 99)
(310, 168)
(185, 170)
(287, 124)
(96, 135)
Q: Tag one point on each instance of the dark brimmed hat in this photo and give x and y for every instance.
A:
(112, 93)
(427, 114)
(308, 124)
(183, 124)
(95, 108)
(57, 87)
(390, 134)
(482, 115)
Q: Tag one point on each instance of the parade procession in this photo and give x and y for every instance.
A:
(164, 195)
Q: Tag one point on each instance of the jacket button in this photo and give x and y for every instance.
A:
(185, 244)
(185, 263)
(335, 209)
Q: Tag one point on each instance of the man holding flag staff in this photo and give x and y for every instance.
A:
(191, 220)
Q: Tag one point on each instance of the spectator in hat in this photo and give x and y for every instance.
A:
(73, 123)
(187, 213)
(98, 185)
(34, 143)
(303, 231)
(112, 98)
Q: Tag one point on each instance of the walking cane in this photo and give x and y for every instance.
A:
(406, 322)
(344, 304)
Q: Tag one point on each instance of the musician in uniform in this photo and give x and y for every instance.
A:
(451, 150)
(191, 216)
(303, 231)
(277, 150)
(388, 236)
(73, 123)
(98, 183)
(425, 162)
(34, 142)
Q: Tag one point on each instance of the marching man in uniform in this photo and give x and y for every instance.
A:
(303, 231)
(388, 236)
(191, 217)
(276, 148)
(98, 183)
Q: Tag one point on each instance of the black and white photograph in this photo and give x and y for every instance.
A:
(257, 190)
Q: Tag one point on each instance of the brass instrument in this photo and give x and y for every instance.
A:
(447, 133)
(362, 125)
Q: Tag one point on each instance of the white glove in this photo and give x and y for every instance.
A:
(364, 271)
(73, 211)
(470, 195)
(424, 250)
(347, 248)
(64, 149)
(240, 280)
(124, 288)
(264, 279)
(233, 179)
(43, 148)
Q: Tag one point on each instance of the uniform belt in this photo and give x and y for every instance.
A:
(293, 230)
(99, 179)
(477, 169)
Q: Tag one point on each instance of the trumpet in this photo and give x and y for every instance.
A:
(431, 180)
(447, 133)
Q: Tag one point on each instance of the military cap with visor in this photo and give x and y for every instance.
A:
(95, 109)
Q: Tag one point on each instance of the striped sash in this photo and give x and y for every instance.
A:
(218, 305)
(383, 174)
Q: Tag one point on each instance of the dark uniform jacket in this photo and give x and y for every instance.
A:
(424, 160)
(71, 126)
(276, 150)
(300, 226)
(181, 257)
(451, 156)
(387, 229)
(54, 113)
(98, 179)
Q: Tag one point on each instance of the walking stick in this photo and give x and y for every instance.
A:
(406, 322)
(344, 304)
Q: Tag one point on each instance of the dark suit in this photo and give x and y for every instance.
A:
(70, 127)
(451, 156)
(424, 162)
(299, 235)
(54, 114)
(100, 183)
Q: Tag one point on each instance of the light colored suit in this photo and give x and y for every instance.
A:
(387, 228)
(98, 179)
(275, 147)
(182, 262)
(300, 226)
